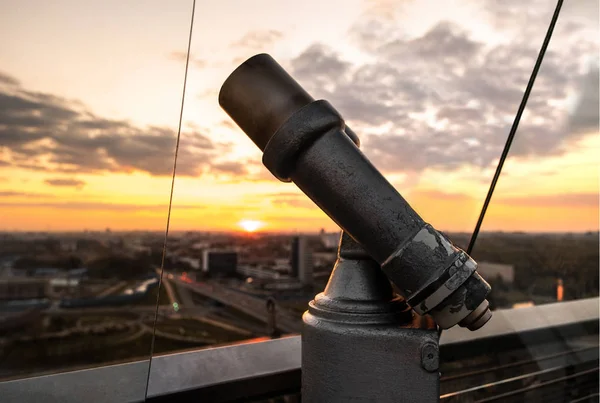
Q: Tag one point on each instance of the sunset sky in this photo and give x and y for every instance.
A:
(90, 94)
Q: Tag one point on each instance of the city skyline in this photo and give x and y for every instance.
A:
(88, 122)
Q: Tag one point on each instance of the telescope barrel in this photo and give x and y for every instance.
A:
(307, 142)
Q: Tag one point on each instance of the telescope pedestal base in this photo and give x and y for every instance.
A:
(362, 343)
(369, 364)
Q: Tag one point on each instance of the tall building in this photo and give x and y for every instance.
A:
(219, 263)
(301, 260)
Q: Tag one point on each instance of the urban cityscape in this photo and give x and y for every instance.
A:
(149, 250)
(70, 300)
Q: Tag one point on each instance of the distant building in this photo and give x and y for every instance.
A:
(23, 288)
(68, 245)
(301, 260)
(491, 271)
(324, 258)
(7, 263)
(282, 286)
(330, 239)
(200, 245)
(45, 272)
(88, 245)
(194, 263)
(281, 265)
(258, 272)
(219, 263)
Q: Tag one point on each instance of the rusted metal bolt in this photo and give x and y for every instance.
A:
(430, 357)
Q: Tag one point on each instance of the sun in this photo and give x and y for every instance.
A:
(251, 225)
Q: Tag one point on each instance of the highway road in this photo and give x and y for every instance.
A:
(185, 295)
(113, 289)
(170, 292)
(163, 310)
(252, 306)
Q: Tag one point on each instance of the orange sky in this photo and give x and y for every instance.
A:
(118, 69)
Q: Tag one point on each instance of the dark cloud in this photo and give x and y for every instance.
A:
(229, 167)
(446, 99)
(6, 79)
(320, 65)
(194, 61)
(43, 132)
(229, 124)
(584, 118)
(76, 183)
(258, 39)
(445, 43)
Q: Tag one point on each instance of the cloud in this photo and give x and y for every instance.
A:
(294, 200)
(569, 200)
(258, 39)
(446, 98)
(211, 93)
(65, 182)
(101, 206)
(229, 124)
(194, 61)
(443, 196)
(12, 193)
(229, 167)
(533, 17)
(320, 65)
(47, 133)
(384, 9)
(8, 80)
(584, 118)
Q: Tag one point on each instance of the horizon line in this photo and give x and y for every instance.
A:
(266, 232)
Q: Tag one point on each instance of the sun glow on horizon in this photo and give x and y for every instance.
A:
(251, 225)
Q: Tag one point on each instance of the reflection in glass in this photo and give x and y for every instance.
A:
(540, 240)
(539, 243)
(88, 106)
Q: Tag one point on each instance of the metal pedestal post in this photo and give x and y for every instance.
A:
(362, 343)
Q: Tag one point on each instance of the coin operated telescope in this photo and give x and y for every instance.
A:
(361, 341)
